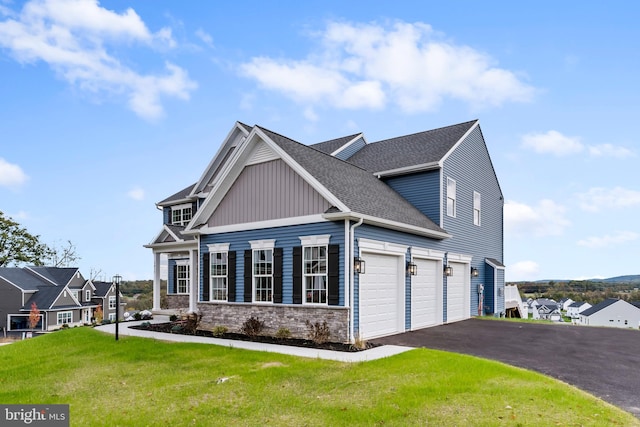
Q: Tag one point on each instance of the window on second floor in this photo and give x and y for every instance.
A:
(112, 302)
(181, 214)
(87, 295)
(451, 197)
(476, 208)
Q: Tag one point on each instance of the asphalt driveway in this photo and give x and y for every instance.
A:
(602, 361)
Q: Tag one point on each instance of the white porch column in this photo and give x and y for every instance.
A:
(194, 279)
(156, 281)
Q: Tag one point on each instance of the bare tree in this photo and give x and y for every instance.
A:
(64, 256)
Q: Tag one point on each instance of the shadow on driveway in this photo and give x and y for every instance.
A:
(602, 361)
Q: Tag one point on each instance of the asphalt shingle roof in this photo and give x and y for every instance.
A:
(44, 298)
(333, 144)
(180, 195)
(355, 187)
(410, 150)
(22, 279)
(59, 276)
(604, 304)
(102, 288)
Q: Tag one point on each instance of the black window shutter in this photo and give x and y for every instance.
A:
(297, 274)
(334, 275)
(248, 288)
(194, 208)
(231, 277)
(174, 285)
(206, 271)
(277, 275)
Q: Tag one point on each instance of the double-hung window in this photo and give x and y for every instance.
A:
(451, 197)
(87, 295)
(64, 317)
(181, 214)
(315, 274)
(112, 302)
(263, 275)
(476, 208)
(182, 278)
(219, 271)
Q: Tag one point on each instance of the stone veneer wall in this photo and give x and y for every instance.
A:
(177, 302)
(276, 316)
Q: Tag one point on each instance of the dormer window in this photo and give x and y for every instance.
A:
(181, 214)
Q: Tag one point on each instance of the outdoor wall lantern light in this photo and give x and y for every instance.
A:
(412, 269)
(448, 270)
(358, 265)
(116, 280)
(474, 272)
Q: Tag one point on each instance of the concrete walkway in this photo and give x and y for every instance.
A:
(340, 356)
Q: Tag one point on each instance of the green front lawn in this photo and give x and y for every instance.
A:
(139, 382)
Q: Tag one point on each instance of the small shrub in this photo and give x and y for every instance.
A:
(318, 332)
(173, 318)
(145, 325)
(283, 334)
(252, 327)
(137, 316)
(192, 323)
(219, 331)
(177, 328)
(65, 325)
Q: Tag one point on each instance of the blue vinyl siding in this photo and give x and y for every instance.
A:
(285, 238)
(422, 190)
(351, 149)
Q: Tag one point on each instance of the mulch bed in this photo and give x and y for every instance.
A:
(295, 342)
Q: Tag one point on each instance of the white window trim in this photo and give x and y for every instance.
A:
(452, 197)
(87, 295)
(315, 240)
(326, 274)
(112, 317)
(181, 208)
(212, 276)
(60, 313)
(187, 265)
(257, 245)
(112, 306)
(477, 208)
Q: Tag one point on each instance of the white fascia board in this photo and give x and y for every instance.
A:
(173, 246)
(330, 197)
(356, 138)
(308, 219)
(408, 169)
(227, 177)
(455, 257)
(466, 134)
(379, 246)
(498, 267)
(42, 277)
(207, 170)
(184, 200)
(385, 223)
(167, 230)
(14, 285)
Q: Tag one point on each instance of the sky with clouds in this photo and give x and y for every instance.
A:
(109, 107)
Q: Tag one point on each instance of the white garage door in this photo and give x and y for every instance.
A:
(457, 300)
(380, 296)
(424, 294)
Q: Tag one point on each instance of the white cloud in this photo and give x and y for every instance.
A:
(615, 239)
(136, 193)
(205, 37)
(523, 270)
(11, 175)
(71, 36)
(609, 150)
(598, 198)
(370, 66)
(547, 218)
(552, 142)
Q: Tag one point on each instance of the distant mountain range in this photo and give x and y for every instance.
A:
(632, 279)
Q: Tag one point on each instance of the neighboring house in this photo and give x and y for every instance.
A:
(62, 295)
(614, 313)
(373, 238)
(513, 303)
(105, 297)
(577, 307)
(565, 303)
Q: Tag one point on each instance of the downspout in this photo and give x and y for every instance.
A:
(351, 275)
